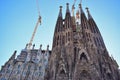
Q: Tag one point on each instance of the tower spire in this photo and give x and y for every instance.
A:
(58, 28)
(89, 15)
(98, 40)
(67, 10)
(13, 56)
(60, 12)
(81, 10)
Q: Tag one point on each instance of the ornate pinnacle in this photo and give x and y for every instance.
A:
(87, 9)
(60, 13)
(40, 46)
(33, 46)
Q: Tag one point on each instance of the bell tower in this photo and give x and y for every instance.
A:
(78, 51)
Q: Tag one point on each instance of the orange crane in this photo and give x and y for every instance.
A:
(37, 24)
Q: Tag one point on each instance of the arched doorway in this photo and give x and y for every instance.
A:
(84, 75)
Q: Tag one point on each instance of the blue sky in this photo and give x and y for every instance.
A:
(18, 19)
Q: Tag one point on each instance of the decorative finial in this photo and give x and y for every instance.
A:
(60, 7)
(80, 5)
(89, 15)
(87, 9)
(67, 4)
(26, 46)
(40, 46)
(67, 7)
(47, 47)
(15, 51)
(60, 13)
(33, 46)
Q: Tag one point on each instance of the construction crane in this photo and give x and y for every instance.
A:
(73, 7)
(37, 24)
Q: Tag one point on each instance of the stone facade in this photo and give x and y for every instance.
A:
(21, 68)
(78, 50)
(78, 53)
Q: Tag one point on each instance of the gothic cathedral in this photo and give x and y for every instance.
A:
(78, 50)
(78, 53)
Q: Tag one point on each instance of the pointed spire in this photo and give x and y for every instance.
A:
(94, 29)
(13, 56)
(89, 15)
(81, 10)
(67, 10)
(59, 21)
(83, 19)
(60, 12)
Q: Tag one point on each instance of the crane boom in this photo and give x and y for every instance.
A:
(35, 29)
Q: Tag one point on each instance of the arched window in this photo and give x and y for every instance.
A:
(57, 40)
(109, 76)
(83, 56)
(95, 41)
(63, 40)
(68, 36)
(91, 27)
(8, 71)
(75, 51)
(98, 41)
(62, 71)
